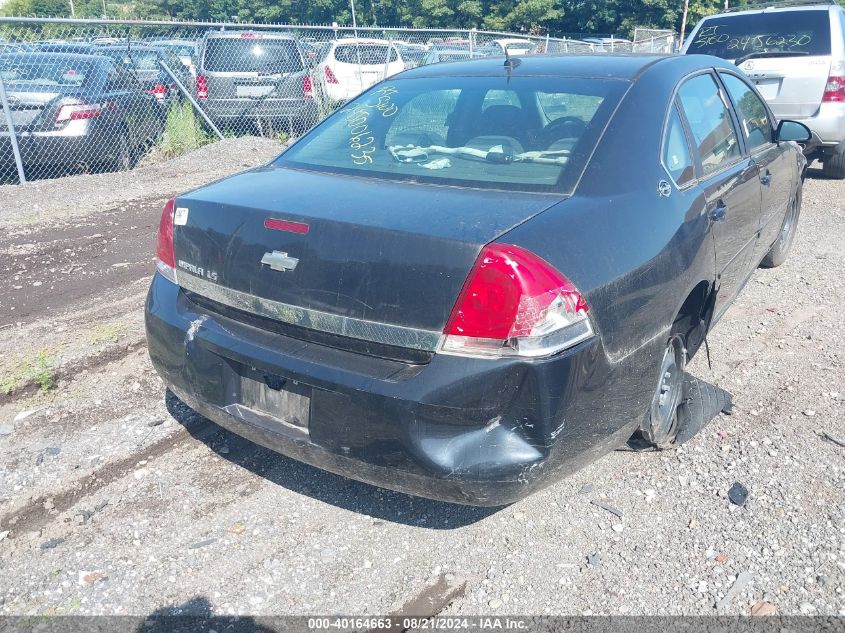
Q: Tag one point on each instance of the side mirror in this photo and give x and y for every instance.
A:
(793, 131)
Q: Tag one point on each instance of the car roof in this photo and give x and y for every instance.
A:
(803, 7)
(360, 40)
(44, 56)
(617, 66)
(124, 47)
(246, 34)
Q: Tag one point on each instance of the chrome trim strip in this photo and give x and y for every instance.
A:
(396, 335)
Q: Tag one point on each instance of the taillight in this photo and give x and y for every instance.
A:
(165, 257)
(202, 87)
(330, 78)
(78, 111)
(307, 87)
(834, 90)
(515, 304)
(159, 90)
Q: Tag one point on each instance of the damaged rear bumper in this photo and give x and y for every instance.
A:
(472, 431)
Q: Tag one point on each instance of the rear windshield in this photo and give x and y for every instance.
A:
(483, 132)
(804, 32)
(368, 54)
(43, 72)
(452, 57)
(137, 59)
(183, 50)
(251, 55)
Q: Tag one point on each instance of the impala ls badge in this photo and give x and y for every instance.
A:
(277, 260)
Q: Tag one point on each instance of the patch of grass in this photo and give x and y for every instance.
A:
(108, 332)
(282, 137)
(183, 131)
(38, 369)
(32, 218)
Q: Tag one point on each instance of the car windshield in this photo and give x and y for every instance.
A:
(367, 54)
(526, 134)
(15, 70)
(804, 32)
(252, 55)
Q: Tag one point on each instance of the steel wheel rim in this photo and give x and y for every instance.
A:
(788, 223)
(668, 393)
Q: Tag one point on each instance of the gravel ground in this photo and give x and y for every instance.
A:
(118, 499)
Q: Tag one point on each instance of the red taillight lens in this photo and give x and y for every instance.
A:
(307, 87)
(515, 304)
(78, 111)
(202, 87)
(165, 257)
(834, 90)
(159, 90)
(330, 78)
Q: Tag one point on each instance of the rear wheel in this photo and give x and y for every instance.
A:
(780, 249)
(834, 166)
(662, 426)
(123, 158)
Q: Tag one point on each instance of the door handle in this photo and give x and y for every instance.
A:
(766, 179)
(718, 213)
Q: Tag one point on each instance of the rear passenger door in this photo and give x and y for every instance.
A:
(729, 178)
(773, 160)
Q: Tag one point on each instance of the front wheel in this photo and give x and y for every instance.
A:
(780, 249)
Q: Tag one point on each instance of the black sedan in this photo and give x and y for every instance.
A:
(145, 63)
(477, 277)
(74, 111)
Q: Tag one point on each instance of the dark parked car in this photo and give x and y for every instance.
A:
(73, 110)
(477, 277)
(81, 48)
(144, 61)
(255, 78)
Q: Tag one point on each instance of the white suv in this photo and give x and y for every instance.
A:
(796, 57)
(352, 65)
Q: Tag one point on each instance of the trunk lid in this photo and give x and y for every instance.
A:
(27, 106)
(375, 250)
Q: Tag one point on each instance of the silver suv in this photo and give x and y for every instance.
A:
(255, 78)
(796, 57)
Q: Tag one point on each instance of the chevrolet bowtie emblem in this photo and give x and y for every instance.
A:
(277, 260)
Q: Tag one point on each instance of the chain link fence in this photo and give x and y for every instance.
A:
(84, 96)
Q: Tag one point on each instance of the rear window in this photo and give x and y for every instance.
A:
(43, 72)
(437, 130)
(137, 59)
(251, 55)
(804, 32)
(367, 54)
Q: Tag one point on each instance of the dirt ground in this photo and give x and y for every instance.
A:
(118, 499)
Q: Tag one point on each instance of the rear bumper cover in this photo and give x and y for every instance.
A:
(472, 431)
(828, 124)
(303, 110)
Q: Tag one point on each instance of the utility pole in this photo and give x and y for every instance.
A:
(684, 23)
(354, 22)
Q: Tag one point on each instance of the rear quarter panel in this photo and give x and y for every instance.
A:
(634, 254)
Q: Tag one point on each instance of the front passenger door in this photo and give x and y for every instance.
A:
(730, 180)
(776, 168)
